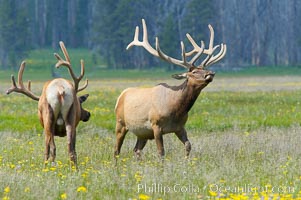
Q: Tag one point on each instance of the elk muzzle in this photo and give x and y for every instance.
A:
(85, 116)
(209, 76)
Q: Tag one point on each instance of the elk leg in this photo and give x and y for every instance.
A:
(140, 144)
(74, 154)
(120, 134)
(159, 140)
(71, 143)
(182, 135)
(50, 148)
(47, 147)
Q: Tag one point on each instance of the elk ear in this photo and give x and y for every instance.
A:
(179, 76)
(83, 98)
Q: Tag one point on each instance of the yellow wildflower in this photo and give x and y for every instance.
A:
(81, 189)
(7, 189)
(222, 181)
(144, 197)
(27, 189)
(59, 163)
(45, 170)
(64, 196)
(212, 193)
(52, 168)
(84, 175)
(138, 176)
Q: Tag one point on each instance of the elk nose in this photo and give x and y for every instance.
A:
(209, 76)
(210, 73)
(87, 117)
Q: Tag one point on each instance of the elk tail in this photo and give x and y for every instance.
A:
(61, 94)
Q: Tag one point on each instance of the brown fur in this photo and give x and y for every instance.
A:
(152, 112)
(48, 119)
(59, 111)
(59, 108)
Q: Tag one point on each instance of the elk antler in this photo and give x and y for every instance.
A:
(67, 63)
(197, 51)
(21, 88)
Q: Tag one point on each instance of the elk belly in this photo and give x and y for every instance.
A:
(144, 134)
(143, 131)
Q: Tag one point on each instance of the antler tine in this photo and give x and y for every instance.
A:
(82, 69)
(183, 52)
(218, 56)
(21, 88)
(196, 47)
(20, 82)
(144, 43)
(198, 53)
(197, 50)
(67, 63)
(156, 52)
(20, 74)
(210, 59)
(84, 86)
(82, 75)
(65, 52)
(211, 40)
(29, 85)
(14, 86)
(207, 59)
(135, 41)
(169, 59)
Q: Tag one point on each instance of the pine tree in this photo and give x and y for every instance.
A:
(14, 32)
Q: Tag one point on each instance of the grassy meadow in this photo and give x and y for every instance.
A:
(245, 133)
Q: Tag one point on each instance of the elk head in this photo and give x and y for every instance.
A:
(59, 108)
(152, 112)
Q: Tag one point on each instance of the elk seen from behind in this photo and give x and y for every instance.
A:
(59, 107)
(152, 112)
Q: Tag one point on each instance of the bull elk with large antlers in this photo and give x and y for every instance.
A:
(152, 112)
(59, 108)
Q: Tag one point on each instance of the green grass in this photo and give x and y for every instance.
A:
(240, 140)
(214, 111)
(244, 129)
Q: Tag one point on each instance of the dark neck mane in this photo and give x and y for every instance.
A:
(187, 98)
(175, 87)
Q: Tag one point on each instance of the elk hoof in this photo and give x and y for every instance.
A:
(187, 148)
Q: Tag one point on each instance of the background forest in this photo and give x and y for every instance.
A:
(244, 128)
(257, 32)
